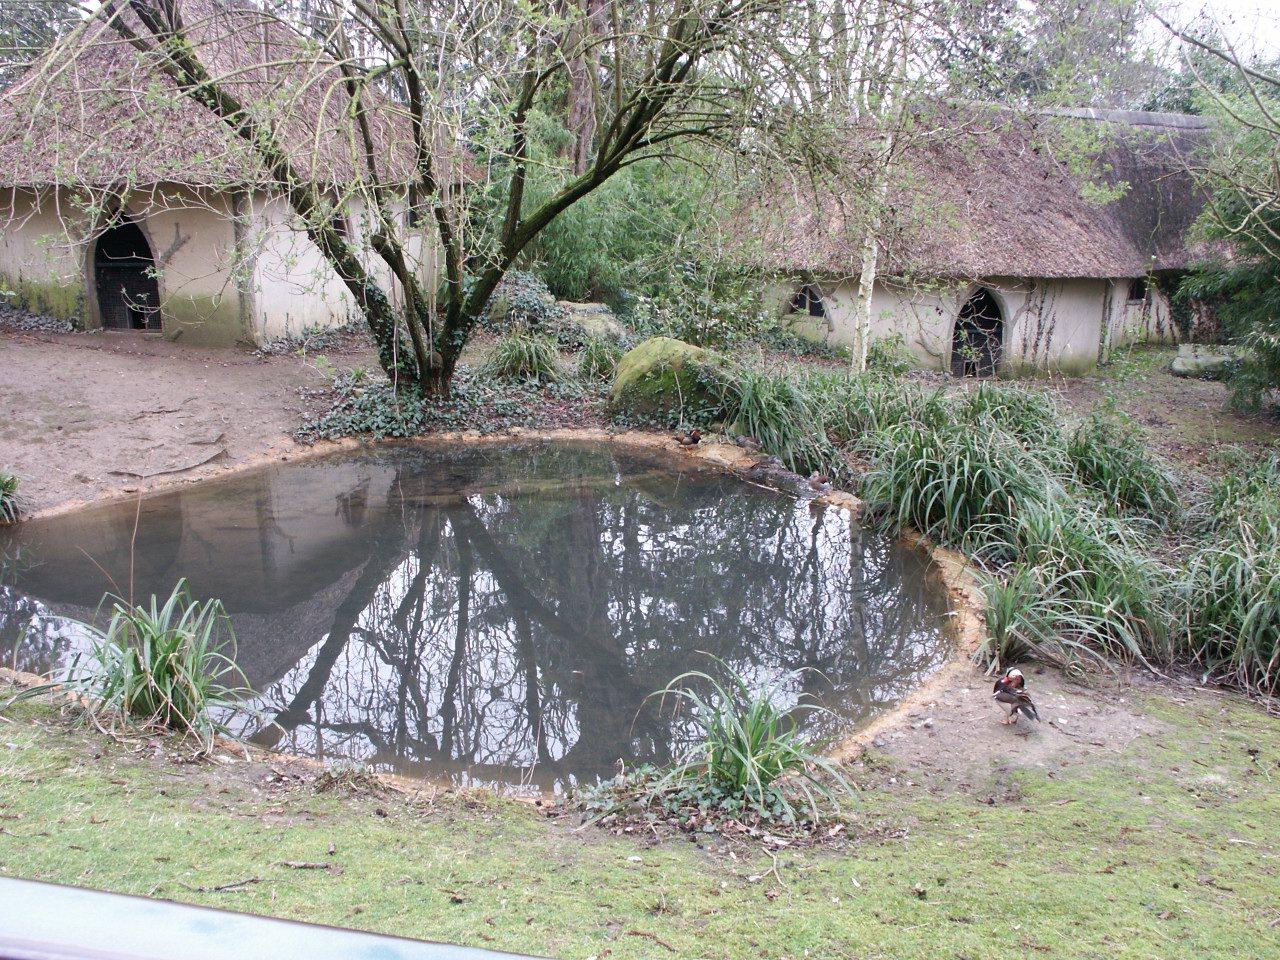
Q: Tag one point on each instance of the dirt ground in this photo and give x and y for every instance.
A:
(956, 741)
(93, 415)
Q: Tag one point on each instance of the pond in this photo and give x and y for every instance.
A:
(496, 614)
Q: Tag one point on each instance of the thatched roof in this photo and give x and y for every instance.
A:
(982, 193)
(96, 112)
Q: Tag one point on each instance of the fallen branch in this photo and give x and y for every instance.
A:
(225, 887)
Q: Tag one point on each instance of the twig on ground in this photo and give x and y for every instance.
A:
(224, 887)
(649, 936)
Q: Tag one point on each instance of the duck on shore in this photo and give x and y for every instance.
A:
(1010, 692)
(819, 483)
(689, 438)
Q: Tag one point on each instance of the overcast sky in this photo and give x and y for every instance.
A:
(1253, 25)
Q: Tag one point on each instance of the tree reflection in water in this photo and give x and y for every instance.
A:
(502, 614)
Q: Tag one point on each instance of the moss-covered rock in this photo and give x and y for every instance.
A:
(1205, 363)
(666, 376)
(593, 321)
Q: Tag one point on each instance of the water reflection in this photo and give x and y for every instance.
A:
(494, 614)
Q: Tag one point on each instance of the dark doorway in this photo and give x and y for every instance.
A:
(979, 337)
(124, 273)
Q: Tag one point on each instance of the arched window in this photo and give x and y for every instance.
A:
(808, 299)
(978, 340)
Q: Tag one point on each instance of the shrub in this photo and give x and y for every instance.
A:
(524, 356)
(622, 237)
(1029, 416)
(160, 665)
(1029, 617)
(706, 309)
(1107, 455)
(1098, 564)
(599, 359)
(1247, 489)
(751, 750)
(523, 302)
(889, 355)
(961, 486)
(849, 406)
(9, 502)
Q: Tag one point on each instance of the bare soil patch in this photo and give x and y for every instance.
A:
(93, 415)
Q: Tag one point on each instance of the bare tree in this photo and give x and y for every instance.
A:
(452, 87)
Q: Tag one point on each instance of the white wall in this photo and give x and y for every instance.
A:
(47, 242)
(293, 286)
(1138, 321)
(1050, 325)
(231, 268)
(41, 259)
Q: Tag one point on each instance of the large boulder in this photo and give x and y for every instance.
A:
(593, 321)
(1206, 363)
(665, 376)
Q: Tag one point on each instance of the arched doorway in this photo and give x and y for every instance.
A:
(978, 340)
(124, 276)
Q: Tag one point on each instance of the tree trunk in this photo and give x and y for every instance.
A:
(866, 289)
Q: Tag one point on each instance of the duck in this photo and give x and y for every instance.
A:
(689, 439)
(749, 444)
(818, 483)
(1010, 692)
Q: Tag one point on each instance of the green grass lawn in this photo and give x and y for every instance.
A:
(1171, 851)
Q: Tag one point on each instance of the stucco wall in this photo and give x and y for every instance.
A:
(41, 263)
(192, 238)
(46, 259)
(294, 287)
(1138, 321)
(1049, 325)
(231, 268)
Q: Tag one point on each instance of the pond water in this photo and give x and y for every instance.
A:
(495, 614)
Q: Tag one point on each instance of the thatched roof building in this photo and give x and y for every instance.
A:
(123, 203)
(1067, 223)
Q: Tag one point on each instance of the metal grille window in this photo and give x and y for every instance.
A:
(125, 279)
(808, 299)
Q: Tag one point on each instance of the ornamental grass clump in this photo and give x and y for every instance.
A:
(1109, 456)
(1029, 616)
(1233, 623)
(778, 412)
(599, 359)
(850, 407)
(519, 355)
(10, 505)
(752, 757)
(1029, 416)
(965, 488)
(1232, 586)
(156, 666)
